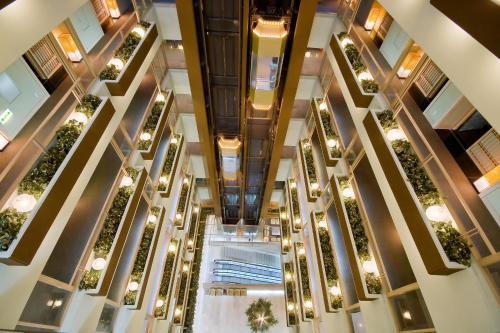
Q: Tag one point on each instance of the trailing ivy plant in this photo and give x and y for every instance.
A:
(329, 133)
(192, 227)
(141, 257)
(457, 249)
(260, 317)
(104, 241)
(285, 231)
(183, 197)
(182, 292)
(369, 86)
(44, 169)
(195, 273)
(295, 203)
(331, 274)
(124, 52)
(304, 279)
(168, 271)
(373, 283)
(169, 161)
(309, 165)
(290, 294)
(151, 124)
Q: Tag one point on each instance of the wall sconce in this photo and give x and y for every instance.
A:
(69, 46)
(172, 248)
(411, 60)
(114, 11)
(151, 218)
(159, 303)
(372, 18)
(24, 203)
(126, 181)
(133, 286)
(98, 264)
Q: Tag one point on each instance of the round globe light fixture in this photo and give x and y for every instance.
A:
(78, 116)
(314, 186)
(160, 98)
(395, 134)
(185, 268)
(332, 143)
(118, 63)
(297, 221)
(288, 276)
(323, 106)
(293, 185)
(145, 136)
(308, 304)
(159, 303)
(126, 181)
(140, 31)
(163, 179)
(335, 291)
(290, 307)
(178, 216)
(348, 192)
(369, 266)
(98, 264)
(322, 224)
(24, 203)
(196, 209)
(172, 248)
(190, 242)
(283, 215)
(438, 213)
(133, 286)
(365, 75)
(302, 251)
(152, 218)
(173, 140)
(177, 312)
(346, 41)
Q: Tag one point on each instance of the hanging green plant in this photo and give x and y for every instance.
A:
(181, 204)
(290, 294)
(304, 283)
(104, 241)
(285, 231)
(195, 272)
(169, 161)
(368, 85)
(457, 249)
(260, 317)
(330, 133)
(309, 166)
(168, 271)
(151, 124)
(373, 283)
(44, 169)
(141, 257)
(331, 274)
(124, 52)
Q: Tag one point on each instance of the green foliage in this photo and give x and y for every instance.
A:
(373, 283)
(260, 317)
(168, 271)
(369, 86)
(123, 53)
(89, 279)
(309, 164)
(113, 218)
(456, 248)
(295, 203)
(182, 292)
(329, 133)
(342, 35)
(151, 123)
(290, 294)
(336, 302)
(45, 168)
(195, 275)
(285, 230)
(169, 161)
(192, 226)
(181, 204)
(10, 223)
(306, 288)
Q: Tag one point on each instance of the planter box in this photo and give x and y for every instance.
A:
(306, 315)
(120, 86)
(193, 230)
(181, 300)
(33, 231)
(292, 318)
(435, 259)
(149, 262)
(113, 256)
(360, 98)
(148, 154)
(328, 298)
(180, 223)
(161, 312)
(293, 196)
(327, 155)
(180, 141)
(311, 195)
(285, 238)
(350, 245)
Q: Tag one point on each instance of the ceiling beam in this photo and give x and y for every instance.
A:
(187, 22)
(305, 18)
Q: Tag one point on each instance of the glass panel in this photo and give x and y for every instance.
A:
(107, 319)
(46, 305)
(411, 311)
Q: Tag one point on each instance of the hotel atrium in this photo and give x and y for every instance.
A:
(281, 166)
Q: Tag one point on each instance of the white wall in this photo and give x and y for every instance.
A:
(471, 67)
(22, 93)
(87, 27)
(25, 22)
(394, 43)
